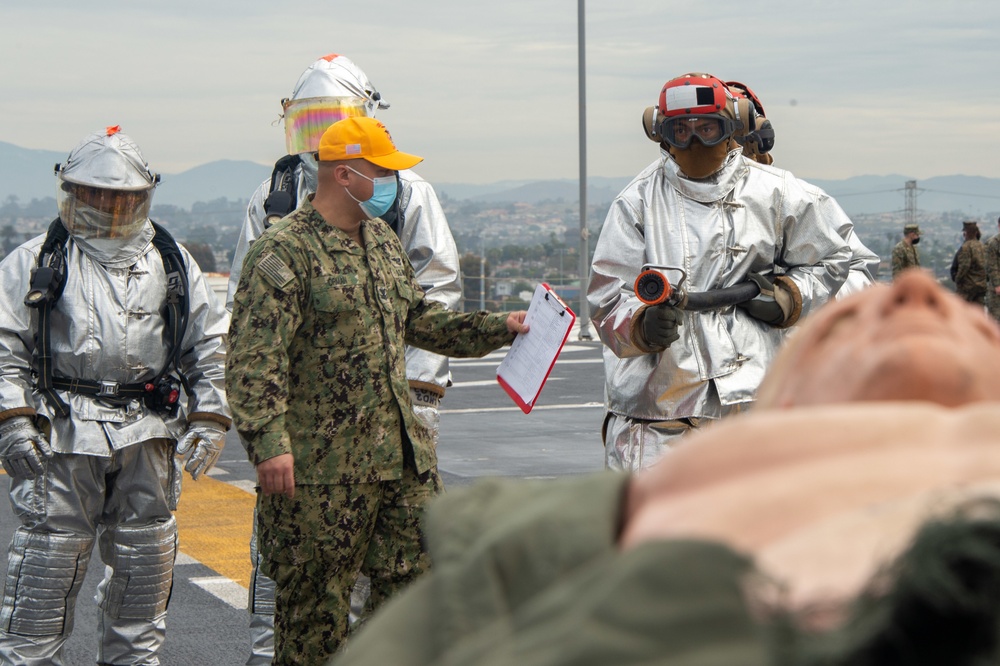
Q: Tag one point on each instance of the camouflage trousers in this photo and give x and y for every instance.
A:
(314, 546)
(993, 303)
(973, 294)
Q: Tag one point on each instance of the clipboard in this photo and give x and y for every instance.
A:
(527, 365)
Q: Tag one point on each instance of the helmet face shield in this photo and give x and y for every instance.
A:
(95, 212)
(307, 119)
(710, 130)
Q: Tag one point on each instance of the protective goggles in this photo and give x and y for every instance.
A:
(306, 119)
(710, 130)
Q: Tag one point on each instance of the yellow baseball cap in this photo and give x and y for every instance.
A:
(361, 137)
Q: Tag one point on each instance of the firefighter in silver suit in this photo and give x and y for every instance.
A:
(110, 377)
(705, 213)
(757, 141)
(330, 89)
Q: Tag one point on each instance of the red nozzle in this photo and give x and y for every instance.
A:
(652, 288)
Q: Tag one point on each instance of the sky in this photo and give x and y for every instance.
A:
(488, 91)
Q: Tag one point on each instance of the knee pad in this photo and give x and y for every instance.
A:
(141, 571)
(44, 574)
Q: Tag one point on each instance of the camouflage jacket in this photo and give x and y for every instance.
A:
(316, 365)
(904, 256)
(970, 274)
(993, 261)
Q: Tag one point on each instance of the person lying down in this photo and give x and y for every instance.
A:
(852, 518)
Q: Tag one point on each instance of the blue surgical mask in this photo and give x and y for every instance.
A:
(383, 194)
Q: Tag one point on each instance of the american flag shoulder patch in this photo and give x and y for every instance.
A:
(275, 270)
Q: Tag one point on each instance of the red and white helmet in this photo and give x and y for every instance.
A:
(758, 137)
(695, 94)
(743, 90)
(695, 106)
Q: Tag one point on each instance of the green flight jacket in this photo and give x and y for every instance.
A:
(529, 573)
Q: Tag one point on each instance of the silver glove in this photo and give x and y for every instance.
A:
(204, 441)
(22, 448)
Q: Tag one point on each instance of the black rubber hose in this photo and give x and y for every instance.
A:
(719, 298)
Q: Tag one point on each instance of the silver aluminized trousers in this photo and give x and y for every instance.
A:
(124, 501)
(634, 444)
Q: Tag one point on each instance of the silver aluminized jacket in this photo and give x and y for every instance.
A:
(429, 246)
(746, 218)
(864, 262)
(107, 327)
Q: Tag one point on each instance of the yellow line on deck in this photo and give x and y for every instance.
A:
(214, 519)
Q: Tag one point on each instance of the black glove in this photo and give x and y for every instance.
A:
(763, 306)
(659, 326)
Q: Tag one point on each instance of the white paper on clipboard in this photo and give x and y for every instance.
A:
(527, 365)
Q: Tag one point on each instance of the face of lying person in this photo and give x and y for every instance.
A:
(827, 490)
(912, 340)
(821, 497)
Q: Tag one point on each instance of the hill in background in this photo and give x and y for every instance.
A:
(28, 174)
(860, 195)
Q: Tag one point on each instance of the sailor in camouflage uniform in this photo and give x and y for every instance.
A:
(330, 89)
(317, 383)
(993, 274)
(905, 254)
(970, 265)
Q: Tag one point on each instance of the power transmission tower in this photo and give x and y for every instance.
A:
(911, 201)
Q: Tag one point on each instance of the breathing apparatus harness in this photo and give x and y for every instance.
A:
(283, 196)
(48, 278)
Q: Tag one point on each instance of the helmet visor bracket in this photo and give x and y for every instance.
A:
(709, 129)
(306, 119)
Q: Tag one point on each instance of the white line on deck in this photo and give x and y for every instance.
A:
(224, 589)
(585, 405)
(483, 364)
